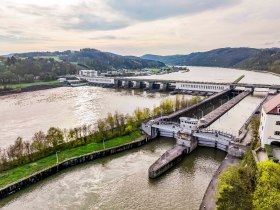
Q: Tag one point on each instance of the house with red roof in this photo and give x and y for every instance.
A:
(269, 130)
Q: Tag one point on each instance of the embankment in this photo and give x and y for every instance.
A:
(16, 186)
(29, 89)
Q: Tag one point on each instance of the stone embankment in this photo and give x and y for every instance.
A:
(14, 187)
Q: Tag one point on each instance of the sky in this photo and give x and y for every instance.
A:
(137, 27)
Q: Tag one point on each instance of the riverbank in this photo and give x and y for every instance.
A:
(28, 87)
(19, 173)
(209, 198)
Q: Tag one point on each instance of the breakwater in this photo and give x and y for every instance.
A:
(170, 158)
(14, 187)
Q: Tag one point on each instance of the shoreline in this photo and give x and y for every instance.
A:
(29, 89)
(209, 199)
(14, 187)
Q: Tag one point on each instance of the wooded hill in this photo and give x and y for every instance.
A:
(98, 60)
(243, 58)
(17, 70)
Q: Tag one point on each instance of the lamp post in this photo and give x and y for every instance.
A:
(103, 144)
(57, 156)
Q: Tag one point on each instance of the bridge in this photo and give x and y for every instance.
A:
(164, 85)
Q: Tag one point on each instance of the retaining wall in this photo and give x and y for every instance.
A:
(29, 89)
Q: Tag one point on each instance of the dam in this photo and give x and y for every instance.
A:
(190, 133)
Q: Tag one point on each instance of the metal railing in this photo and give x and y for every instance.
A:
(212, 131)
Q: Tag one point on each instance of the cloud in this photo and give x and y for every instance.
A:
(75, 15)
(87, 22)
(17, 38)
(104, 15)
(137, 27)
(158, 9)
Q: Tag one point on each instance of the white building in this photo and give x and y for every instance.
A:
(201, 87)
(188, 124)
(88, 73)
(269, 130)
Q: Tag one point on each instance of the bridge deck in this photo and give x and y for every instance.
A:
(217, 113)
(171, 127)
(214, 137)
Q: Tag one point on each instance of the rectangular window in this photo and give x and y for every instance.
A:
(277, 122)
(277, 133)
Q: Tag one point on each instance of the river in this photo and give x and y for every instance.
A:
(121, 182)
(215, 74)
(65, 107)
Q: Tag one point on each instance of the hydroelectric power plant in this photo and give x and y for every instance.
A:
(190, 133)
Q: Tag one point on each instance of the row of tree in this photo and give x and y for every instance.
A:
(16, 70)
(41, 144)
(249, 186)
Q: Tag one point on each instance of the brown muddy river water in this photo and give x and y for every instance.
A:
(66, 107)
(119, 181)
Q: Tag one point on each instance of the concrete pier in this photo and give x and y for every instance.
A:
(167, 160)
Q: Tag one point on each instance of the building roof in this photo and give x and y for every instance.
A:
(272, 103)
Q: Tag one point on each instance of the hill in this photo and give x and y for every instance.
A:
(98, 60)
(244, 58)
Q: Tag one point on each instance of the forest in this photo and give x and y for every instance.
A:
(17, 70)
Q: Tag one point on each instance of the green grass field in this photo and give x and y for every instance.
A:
(21, 85)
(15, 174)
(56, 58)
(153, 70)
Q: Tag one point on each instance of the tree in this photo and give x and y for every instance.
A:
(39, 142)
(55, 136)
(110, 121)
(101, 128)
(16, 151)
(71, 134)
(28, 149)
(267, 193)
(237, 183)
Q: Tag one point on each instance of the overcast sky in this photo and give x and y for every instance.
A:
(136, 27)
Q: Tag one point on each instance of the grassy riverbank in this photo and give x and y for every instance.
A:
(22, 85)
(15, 174)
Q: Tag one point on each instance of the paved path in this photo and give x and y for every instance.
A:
(209, 199)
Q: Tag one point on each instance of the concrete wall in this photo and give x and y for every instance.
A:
(14, 187)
